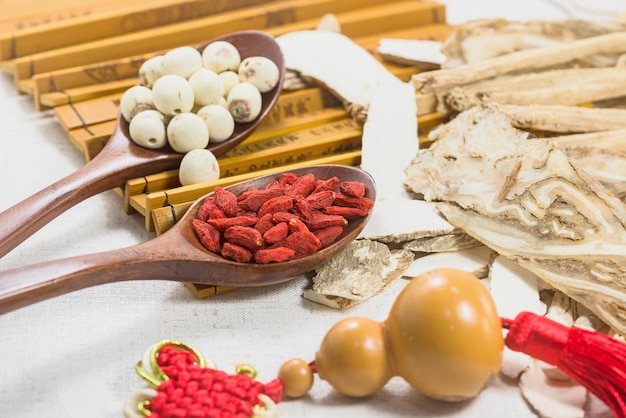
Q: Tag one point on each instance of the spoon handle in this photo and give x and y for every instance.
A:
(109, 169)
(27, 285)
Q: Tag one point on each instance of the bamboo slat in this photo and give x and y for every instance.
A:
(112, 23)
(100, 78)
(28, 14)
(271, 17)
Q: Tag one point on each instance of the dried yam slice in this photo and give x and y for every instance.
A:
(423, 54)
(336, 62)
(514, 290)
(552, 398)
(474, 260)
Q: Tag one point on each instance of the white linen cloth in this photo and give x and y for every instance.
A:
(74, 356)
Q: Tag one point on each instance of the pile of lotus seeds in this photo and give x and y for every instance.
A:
(188, 99)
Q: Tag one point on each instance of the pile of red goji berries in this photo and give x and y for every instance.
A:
(290, 218)
(195, 392)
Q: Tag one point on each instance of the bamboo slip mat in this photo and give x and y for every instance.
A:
(78, 59)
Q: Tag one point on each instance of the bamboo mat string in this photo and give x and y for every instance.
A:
(146, 188)
(172, 209)
(84, 125)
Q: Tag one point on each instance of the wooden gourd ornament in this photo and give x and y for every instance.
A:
(442, 335)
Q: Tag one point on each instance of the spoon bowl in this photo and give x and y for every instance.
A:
(121, 159)
(177, 255)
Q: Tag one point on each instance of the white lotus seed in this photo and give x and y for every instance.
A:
(150, 71)
(229, 78)
(182, 61)
(262, 72)
(186, 132)
(219, 121)
(244, 102)
(207, 87)
(147, 129)
(172, 94)
(132, 97)
(198, 166)
(221, 56)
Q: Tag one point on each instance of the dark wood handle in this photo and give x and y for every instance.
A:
(115, 164)
(25, 218)
(30, 284)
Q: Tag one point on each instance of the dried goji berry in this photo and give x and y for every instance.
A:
(276, 204)
(245, 236)
(226, 201)
(319, 220)
(328, 184)
(296, 225)
(209, 210)
(284, 216)
(287, 179)
(352, 188)
(236, 253)
(273, 255)
(264, 223)
(303, 186)
(255, 199)
(346, 211)
(275, 223)
(353, 202)
(302, 207)
(321, 199)
(328, 235)
(225, 223)
(247, 193)
(208, 234)
(303, 243)
(276, 233)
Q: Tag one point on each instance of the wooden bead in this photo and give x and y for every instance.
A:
(297, 377)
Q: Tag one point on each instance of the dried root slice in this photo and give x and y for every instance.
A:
(362, 270)
(396, 217)
(336, 62)
(474, 260)
(423, 54)
(552, 398)
(531, 204)
(520, 61)
(572, 86)
(398, 221)
(390, 140)
(564, 119)
(602, 154)
(455, 241)
(330, 23)
(478, 40)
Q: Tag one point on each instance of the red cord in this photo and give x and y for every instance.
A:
(196, 392)
(595, 360)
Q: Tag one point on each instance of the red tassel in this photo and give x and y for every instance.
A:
(595, 360)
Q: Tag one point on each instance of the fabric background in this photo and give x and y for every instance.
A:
(74, 356)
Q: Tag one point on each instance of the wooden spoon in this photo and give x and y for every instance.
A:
(176, 255)
(121, 159)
